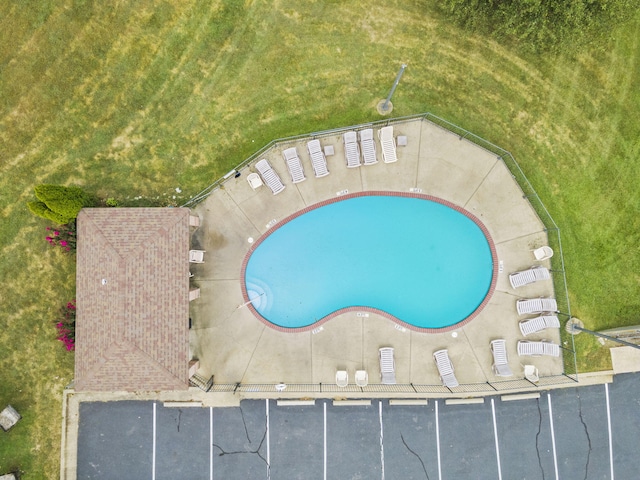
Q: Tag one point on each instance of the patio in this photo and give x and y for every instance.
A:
(235, 347)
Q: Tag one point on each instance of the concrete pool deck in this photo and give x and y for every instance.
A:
(235, 347)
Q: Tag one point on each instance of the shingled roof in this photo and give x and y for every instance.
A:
(132, 295)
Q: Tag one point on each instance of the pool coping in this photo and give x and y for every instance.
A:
(326, 318)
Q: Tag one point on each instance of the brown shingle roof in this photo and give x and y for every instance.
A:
(132, 294)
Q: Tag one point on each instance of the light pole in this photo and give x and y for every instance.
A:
(385, 106)
(573, 327)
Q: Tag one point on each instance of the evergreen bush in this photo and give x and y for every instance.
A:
(58, 203)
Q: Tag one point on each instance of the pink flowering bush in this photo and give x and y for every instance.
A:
(66, 326)
(63, 236)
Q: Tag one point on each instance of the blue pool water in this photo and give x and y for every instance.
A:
(415, 259)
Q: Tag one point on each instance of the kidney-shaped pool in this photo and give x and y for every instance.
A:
(418, 260)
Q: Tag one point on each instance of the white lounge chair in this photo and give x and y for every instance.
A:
(196, 256)
(368, 145)
(254, 180)
(269, 176)
(543, 253)
(534, 349)
(351, 149)
(500, 361)
(533, 325)
(531, 373)
(342, 378)
(536, 305)
(534, 274)
(388, 144)
(362, 378)
(526, 348)
(318, 160)
(294, 165)
(387, 366)
(445, 368)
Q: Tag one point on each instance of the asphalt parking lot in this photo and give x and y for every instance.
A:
(575, 433)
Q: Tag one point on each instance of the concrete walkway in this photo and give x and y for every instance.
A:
(235, 347)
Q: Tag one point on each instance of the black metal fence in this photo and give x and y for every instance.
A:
(410, 389)
(570, 369)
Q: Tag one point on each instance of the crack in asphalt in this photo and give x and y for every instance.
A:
(223, 452)
(418, 456)
(538, 437)
(586, 432)
(178, 419)
(246, 432)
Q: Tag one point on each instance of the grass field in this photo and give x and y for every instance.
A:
(131, 99)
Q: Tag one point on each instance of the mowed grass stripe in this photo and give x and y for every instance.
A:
(43, 93)
(64, 47)
(66, 126)
(23, 25)
(116, 94)
(61, 74)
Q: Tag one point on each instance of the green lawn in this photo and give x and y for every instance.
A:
(133, 99)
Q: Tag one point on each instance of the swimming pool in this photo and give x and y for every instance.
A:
(416, 259)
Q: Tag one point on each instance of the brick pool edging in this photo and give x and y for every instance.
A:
(313, 326)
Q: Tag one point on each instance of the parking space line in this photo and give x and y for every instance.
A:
(381, 440)
(553, 437)
(325, 440)
(606, 392)
(153, 460)
(210, 443)
(438, 443)
(495, 436)
(268, 443)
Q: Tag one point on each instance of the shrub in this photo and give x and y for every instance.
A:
(41, 210)
(66, 325)
(59, 203)
(64, 236)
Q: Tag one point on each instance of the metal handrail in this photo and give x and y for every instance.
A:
(412, 389)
